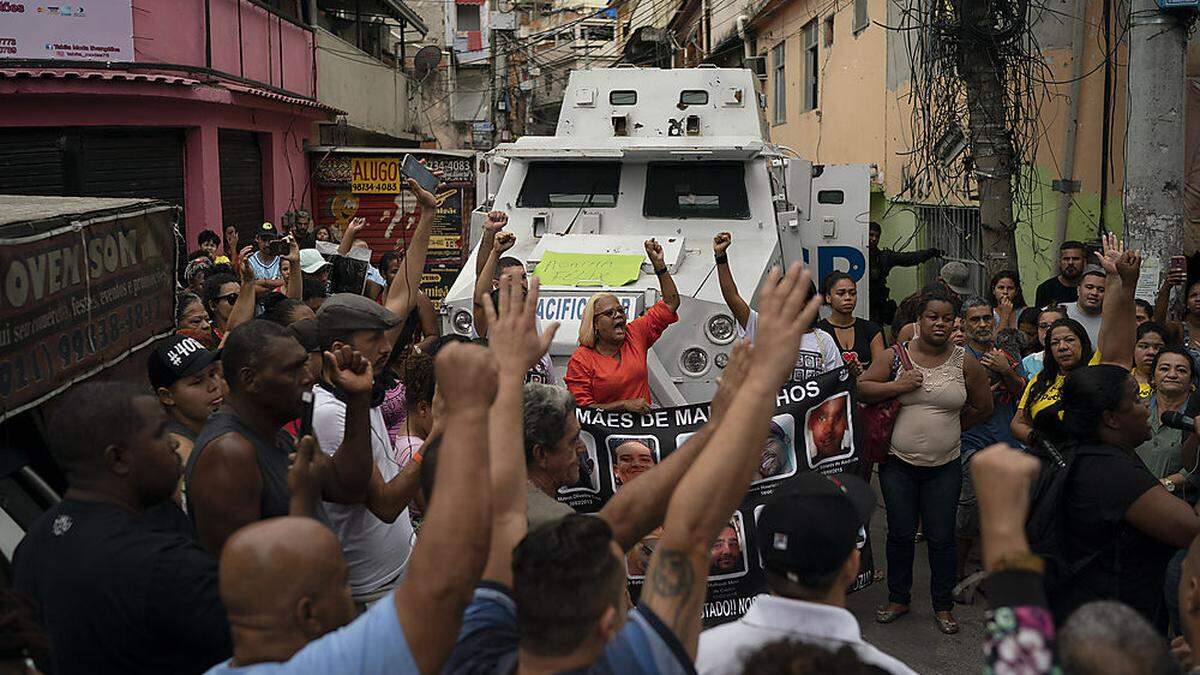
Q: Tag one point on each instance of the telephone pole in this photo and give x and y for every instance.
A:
(1154, 171)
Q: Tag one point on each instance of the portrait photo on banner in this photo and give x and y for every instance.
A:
(631, 455)
(829, 431)
(589, 469)
(727, 557)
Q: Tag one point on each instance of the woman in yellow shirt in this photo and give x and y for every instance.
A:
(1068, 347)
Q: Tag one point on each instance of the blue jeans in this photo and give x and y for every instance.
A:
(928, 495)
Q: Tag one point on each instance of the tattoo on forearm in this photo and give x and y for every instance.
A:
(672, 577)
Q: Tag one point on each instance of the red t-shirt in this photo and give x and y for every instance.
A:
(594, 378)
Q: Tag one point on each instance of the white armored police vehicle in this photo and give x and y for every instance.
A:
(678, 155)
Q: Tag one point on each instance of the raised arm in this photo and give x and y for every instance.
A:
(483, 281)
(1162, 303)
(1014, 580)
(641, 506)
(451, 551)
(729, 289)
(295, 282)
(243, 310)
(427, 316)
(718, 479)
(487, 240)
(1119, 325)
(347, 474)
(516, 345)
(401, 295)
(670, 294)
(350, 235)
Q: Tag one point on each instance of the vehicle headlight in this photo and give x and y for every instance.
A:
(721, 360)
(694, 361)
(720, 329)
(461, 322)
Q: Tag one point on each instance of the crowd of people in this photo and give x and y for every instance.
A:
(266, 505)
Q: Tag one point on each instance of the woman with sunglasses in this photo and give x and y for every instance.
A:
(608, 369)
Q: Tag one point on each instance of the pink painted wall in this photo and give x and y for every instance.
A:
(172, 31)
(202, 111)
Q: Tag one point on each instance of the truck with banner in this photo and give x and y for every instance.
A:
(86, 283)
(87, 286)
(366, 182)
(678, 155)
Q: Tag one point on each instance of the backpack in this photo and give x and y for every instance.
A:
(1045, 527)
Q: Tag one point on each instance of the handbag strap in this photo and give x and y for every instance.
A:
(902, 354)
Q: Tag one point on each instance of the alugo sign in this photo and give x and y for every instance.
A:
(375, 175)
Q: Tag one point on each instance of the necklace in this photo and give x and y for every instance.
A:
(850, 325)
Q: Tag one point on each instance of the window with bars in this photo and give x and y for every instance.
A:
(957, 231)
(779, 91)
(811, 66)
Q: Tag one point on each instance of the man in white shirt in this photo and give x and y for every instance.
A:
(1086, 310)
(376, 536)
(809, 535)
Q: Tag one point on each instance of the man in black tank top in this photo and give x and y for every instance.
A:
(237, 473)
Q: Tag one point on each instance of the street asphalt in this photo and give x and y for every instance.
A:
(914, 638)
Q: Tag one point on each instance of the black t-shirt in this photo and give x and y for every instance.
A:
(1129, 565)
(120, 595)
(1053, 292)
(864, 332)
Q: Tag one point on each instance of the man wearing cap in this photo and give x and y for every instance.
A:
(376, 535)
(313, 264)
(1086, 310)
(809, 536)
(187, 380)
(263, 262)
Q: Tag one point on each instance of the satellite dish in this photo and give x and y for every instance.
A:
(426, 59)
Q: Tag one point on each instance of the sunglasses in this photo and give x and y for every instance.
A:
(231, 298)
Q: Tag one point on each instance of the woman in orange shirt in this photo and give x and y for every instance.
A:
(608, 369)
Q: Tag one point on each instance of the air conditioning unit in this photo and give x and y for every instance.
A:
(758, 65)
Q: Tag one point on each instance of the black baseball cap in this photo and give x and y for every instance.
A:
(178, 357)
(813, 523)
(267, 231)
(344, 312)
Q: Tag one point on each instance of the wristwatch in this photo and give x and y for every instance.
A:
(1169, 485)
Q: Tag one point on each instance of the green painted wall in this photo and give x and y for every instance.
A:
(1036, 222)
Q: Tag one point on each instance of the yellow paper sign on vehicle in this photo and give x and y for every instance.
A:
(588, 269)
(375, 175)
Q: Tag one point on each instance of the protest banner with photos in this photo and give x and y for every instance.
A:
(813, 429)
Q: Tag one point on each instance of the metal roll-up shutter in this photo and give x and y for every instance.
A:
(241, 181)
(31, 162)
(131, 163)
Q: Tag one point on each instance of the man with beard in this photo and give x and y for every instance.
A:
(827, 425)
(1063, 288)
(375, 536)
(726, 554)
(630, 460)
(1086, 310)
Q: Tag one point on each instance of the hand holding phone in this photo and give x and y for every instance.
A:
(412, 168)
(306, 413)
